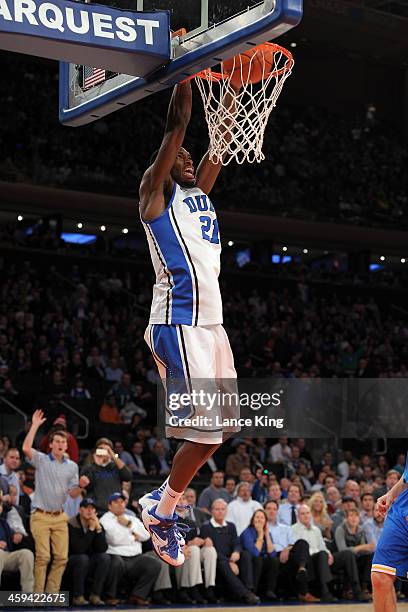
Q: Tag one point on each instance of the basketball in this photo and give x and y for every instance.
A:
(251, 66)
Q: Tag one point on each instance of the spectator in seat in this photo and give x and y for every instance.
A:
(256, 539)
(392, 478)
(126, 457)
(352, 489)
(109, 413)
(9, 468)
(293, 556)
(246, 475)
(347, 503)
(124, 535)
(333, 498)
(79, 391)
(87, 555)
(320, 557)
(288, 511)
(60, 424)
(240, 510)
(260, 488)
(55, 477)
(234, 566)
(367, 507)
(237, 460)
(124, 392)
(230, 486)
(274, 493)
(141, 459)
(194, 514)
(198, 552)
(4, 489)
(105, 474)
(13, 560)
(321, 519)
(281, 452)
(113, 372)
(373, 527)
(95, 370)
(160, 459)
(17, 520)
(400, 465)
(350, 535)
(214, 491)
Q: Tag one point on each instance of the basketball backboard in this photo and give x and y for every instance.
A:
(215, 30)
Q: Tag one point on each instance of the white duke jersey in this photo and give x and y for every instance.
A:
(185, 248)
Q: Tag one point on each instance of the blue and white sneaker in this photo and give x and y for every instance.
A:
(167, 536)
(150, 499)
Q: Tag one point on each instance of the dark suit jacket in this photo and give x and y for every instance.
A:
(200, 517)
(225, 539)
(85, 542)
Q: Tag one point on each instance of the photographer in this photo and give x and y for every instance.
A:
(105, 475)
(260, 488)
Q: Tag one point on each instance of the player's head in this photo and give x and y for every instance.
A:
(183, 169)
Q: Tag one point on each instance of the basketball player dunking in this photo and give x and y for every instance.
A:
(185, 332)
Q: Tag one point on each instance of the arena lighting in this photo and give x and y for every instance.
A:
(284, 248)
(80, 225)
(305, 251)
(125, 230)
(20, 218)
(230, 243)
(403, 259)
(293, 45)
(103, 228)
(382, 258)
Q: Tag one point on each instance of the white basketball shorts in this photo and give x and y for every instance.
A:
(196, 366)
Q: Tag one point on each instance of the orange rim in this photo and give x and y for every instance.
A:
(211, 75)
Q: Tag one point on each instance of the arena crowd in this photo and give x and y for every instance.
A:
(271, 522)
(318, 165)
(270, 519)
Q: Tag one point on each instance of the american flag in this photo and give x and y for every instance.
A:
(92, 76)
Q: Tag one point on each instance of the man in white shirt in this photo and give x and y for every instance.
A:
(241, 510)
(8, 469)
(320, 557)
(280, 452)
(293, 556)
(289, 509)
(124, 535)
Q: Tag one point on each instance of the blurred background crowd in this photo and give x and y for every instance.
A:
(353, 168)
(297, 519)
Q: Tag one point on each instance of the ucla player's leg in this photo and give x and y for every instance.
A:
(384, 596)
(390, 561)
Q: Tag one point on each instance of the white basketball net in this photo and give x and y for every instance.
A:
(237, 121)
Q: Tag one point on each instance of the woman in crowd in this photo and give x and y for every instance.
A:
(257, 540)
(321, 519)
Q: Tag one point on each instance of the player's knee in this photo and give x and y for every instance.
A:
(382, 582)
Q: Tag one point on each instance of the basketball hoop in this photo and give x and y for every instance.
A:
(237, 119)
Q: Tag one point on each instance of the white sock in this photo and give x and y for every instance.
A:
(167, 504)
(163, 486)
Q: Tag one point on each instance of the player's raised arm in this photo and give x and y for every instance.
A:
(208, 171)
(156, 181)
